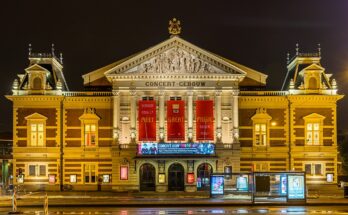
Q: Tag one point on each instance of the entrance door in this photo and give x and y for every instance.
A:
(203, 176)
(147, 178)
(176, 178)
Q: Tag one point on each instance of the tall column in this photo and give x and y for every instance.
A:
(218, 114)
(161, 115)
(116, 115)
(133, 106)
(235, 117)
(190, 114)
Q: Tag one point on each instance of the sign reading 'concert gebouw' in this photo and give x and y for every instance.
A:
(147, 120)
(175, 120)
(204, 120)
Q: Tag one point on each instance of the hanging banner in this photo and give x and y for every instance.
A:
(147, 120)
(204, 120)
(175, 120)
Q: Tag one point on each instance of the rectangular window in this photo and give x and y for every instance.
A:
(175, 98)
(36, 134)
(89, 173)
(313, 169)
(37, 170)
(261, 167)
(90, 134)
(147, 98)
(260, 134)
(312, 136)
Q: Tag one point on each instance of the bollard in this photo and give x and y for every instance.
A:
(46, 205)
(14, 201)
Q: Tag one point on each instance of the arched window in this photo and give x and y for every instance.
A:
(312, 83)
(147, 177)
(203, 176)
(37, 83)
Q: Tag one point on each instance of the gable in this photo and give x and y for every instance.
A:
(36, 116)
(36, 67)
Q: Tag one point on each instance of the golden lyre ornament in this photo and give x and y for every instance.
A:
(174, 27)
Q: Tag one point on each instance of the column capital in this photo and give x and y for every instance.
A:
(115, 92)
(133, 91)
(235, 92)
(218, 92)
(161, 92)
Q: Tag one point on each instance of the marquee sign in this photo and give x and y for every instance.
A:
(204, 120)
(176, 149)
(175, 120)
(147, 120)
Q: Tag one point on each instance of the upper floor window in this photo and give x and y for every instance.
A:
(312, 134)
(261, 121)
(36, 130)
(89, 124)
(313, 129)
(90, 134)
(261, 166)
(260, 134)
(90, 173)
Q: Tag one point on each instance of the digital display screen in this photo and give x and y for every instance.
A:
(283, 184)
(190, 178)
(217, 185)
(51, 179)
(296, 187)
(161, 178)
(242, 183)
(124, 173)
(176, 148)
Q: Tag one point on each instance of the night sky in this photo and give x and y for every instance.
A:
(92, 34)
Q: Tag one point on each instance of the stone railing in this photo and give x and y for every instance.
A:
(263, 93)
(87, 93)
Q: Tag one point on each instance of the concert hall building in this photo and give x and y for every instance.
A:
(166, 118)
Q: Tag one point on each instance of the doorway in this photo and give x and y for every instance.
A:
(203, 176)
(176, 177)
(147, 177)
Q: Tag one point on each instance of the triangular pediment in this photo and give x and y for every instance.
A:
(313, 67)
(36, 116)
(314, 116)
(36, 67)
(171, 58)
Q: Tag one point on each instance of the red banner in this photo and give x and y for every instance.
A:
(147, 120)
(204, 120)
(175, 120)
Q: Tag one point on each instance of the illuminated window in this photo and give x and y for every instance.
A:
(312, 136)
(313, 169)
(89, 173)
(314, 129)
(260, 134)
(37, 170)
(36, 130)
(90, 134)
(89, 128)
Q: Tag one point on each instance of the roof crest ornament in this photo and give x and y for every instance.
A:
(29, 49)
(319, 50)
(174, 27)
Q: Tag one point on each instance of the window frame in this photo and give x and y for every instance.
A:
(37, 168)
(90, 171)
(36, 119)
(89, 118)
(313, 119)
(255, 164)
(261, 117)
(313, 169)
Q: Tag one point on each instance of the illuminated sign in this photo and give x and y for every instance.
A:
(242, 183)
(190, 178)
(106, 178)
(283, 184)
(72, 178)
(20, 179)
(176, 148)
(161, 178)
(51, 179)
(296, 187)
(124, 172)
(329, 177)
(217, 185)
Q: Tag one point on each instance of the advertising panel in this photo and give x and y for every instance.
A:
(176, 148)
(147, 120)
(217, 185)
(190, 178)
(329, 177)
(296, 187)
(51, 179)
(175, 120)
(20, 179)
(106, 178)
(161, 178)
(242, 183)
(283, 184)
(73, 179)
(204, 120)
(124, 172)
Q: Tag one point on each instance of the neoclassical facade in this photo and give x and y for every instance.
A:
(165, 118)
